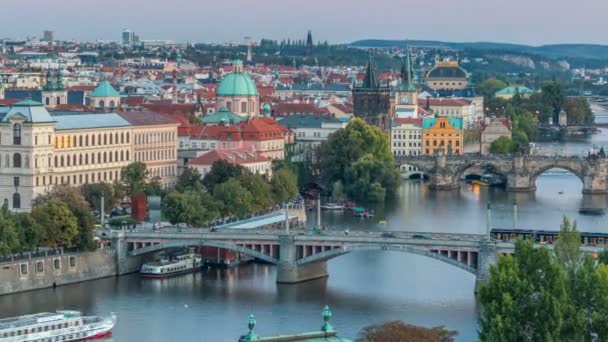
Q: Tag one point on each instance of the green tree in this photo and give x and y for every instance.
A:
(31, 233)
(490, 86)
(568, 246)
(192, 207)
(9, 238)
(189, 179)
(133, 177)
(553, 96)
(92, 193)
(522, 300)
(578, 111)
(220, 172)
(348, 153)
(236, 201)
(61, 225)
(258, 186)
(284, 185)
(397, 331)
(503, 145)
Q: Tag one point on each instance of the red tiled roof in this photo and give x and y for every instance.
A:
(445, 102)
(81, 88)
(73, 107)
(259, 129)
(133, 100)
(285, 109)
(9, 102)
(169, 108)
(237, 156)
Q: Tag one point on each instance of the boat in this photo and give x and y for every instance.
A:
(592, 211)
(361, 212)
(492, 180)
(479, 182)
(332, 206)
(383, 222)
(561, 192)
(177, 264)
(66, 325)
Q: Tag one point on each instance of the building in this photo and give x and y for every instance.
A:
(447, 75)
(406, 137)
(492, 130)
(250, 160)
(222, 117)
(508, 92)
(371, 101)
(465, 109)
(54, 93)
(39, 150)
(284, 92)
(406, 94)
(310, 131)
(442, 135)
(48, 36)
(238, 93)
(154, 144)
(104, 97)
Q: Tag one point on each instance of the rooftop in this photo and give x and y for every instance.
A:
(428, 123)
(104, 89)
(86, 121)
(307, 121)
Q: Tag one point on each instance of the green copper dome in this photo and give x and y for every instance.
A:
(237, 84)
(104, 89)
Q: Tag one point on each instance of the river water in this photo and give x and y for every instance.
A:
(363, 288)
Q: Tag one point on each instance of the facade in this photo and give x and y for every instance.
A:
(105, 97)
(371, 101)
(447, 75)
(465, 109)
(492, 130)
(154, 144)
(442, 135)
(310, 131)
(406, 94)
(39, 150)
(252, 161)
(406, 137)
(238, 93)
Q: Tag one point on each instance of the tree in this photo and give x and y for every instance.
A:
(490, 86)
(503, 145)
(31, 233)
(568, 246)
(397, 331)
(192, 207)
(363, 144)
(189, 179)
(92, 193)
(522, 300)
(578, 111)
(220, 172)
(369, 179)
(553, 97)
(9, 239)
(61, 225)
(236, 201)
(258, 186)
(133, 177)
(284, 185)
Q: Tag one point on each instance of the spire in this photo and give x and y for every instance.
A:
(59, 84)
(49, 84)
(371, 79)
(407, 74)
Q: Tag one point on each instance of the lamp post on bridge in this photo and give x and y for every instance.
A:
(488, 220)
(515, 219)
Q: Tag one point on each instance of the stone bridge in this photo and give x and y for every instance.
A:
(520, 172)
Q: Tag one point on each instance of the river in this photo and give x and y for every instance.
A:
(363, 288)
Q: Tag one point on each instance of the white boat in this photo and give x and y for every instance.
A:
(167, 267)
(55, 326)
(332, 206)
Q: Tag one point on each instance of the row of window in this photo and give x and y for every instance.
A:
(409, 153)
(84, 159)
(162, 171)
(153, 138)
(51, 327)
(428, 151)
(90, 140)
(427, 135)
(403, 144)
(81, 179)
(442, 143)
(155, 155)
(410, 136)
(23, 268)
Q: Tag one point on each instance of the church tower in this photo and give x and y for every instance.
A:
(53, 92)
(309, 43)
(406, 94)
(371, 101)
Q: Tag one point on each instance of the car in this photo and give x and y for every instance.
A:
(420, 236)
(388, 235)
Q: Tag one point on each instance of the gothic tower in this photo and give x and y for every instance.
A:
(406, 94)
(371, 101)
(309, 43)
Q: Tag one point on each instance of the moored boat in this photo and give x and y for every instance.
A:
(65, 325)
(479, 182)
(174, 265)
(332, 206)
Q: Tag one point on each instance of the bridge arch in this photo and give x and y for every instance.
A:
(577, 170)
(193, 243)
(485, 166)
(335, 252)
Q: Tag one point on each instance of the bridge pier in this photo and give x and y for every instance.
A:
(288, 270)
(486, 257)
(123, 262)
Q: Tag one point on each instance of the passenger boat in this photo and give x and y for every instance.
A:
(65, 325)
(479, 182)
(332, 206)
(167, 267)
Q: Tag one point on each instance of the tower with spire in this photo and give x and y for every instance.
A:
(371, 100)
(309, 43)
(53, 91)
(406, 94)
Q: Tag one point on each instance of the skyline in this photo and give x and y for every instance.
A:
(338, 21)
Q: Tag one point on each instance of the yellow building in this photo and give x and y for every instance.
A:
(443, 135)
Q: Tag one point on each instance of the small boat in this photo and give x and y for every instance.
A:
(492, 179)
(479, 182)
(561, 192)
(167, 267)
(361, 212)
(332, 206)
(592, 211)
(383, 222)
(67, 325)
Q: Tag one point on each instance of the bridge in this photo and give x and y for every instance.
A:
(520, 172)
(302, 255)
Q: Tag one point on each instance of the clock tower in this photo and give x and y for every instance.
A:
(406, 94)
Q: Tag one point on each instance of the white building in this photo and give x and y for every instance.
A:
(252, 161)
(406, 137)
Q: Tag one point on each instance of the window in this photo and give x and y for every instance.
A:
(16, 181)
(17, 134)
(23, 269)
(36, 140)
(16, 160)
(16, 201)
(72, 261)
(243, 107)
(40, 266)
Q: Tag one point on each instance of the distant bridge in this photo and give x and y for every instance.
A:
(520, 172)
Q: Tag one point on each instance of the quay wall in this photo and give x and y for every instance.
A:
(55, 270)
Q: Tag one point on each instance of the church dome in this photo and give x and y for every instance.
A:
(237, 84)
(447, 70)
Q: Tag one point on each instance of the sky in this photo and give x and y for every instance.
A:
(534, 22)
